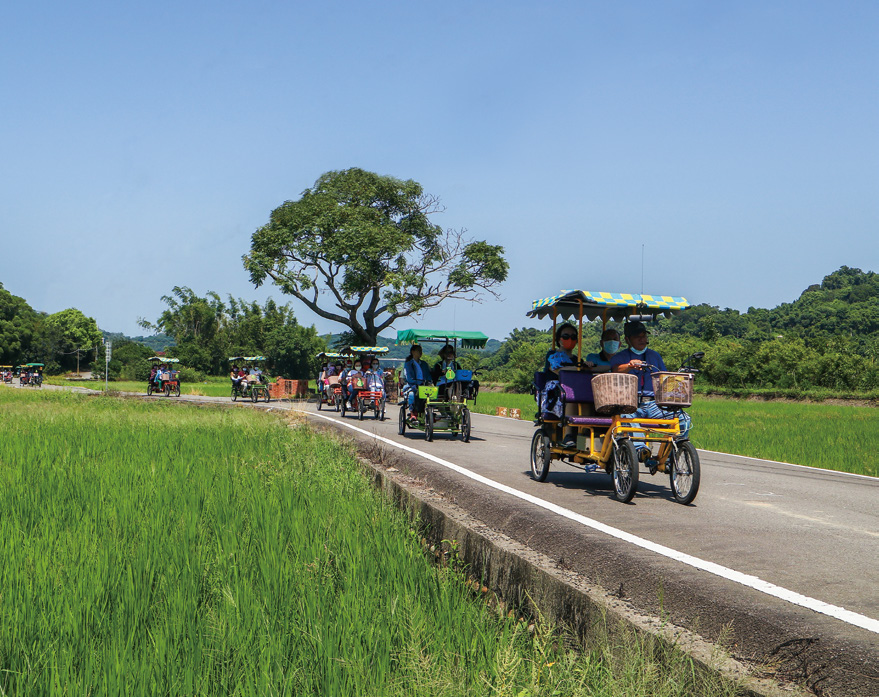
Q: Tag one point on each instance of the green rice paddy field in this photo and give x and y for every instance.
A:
(842, 438)
(160, 548)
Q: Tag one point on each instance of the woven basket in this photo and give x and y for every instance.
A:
(673, 389)
(615, 393)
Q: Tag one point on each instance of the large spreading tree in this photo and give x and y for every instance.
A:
(360, 249)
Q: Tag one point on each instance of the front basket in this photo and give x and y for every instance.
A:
(615, 393)
(673, 390)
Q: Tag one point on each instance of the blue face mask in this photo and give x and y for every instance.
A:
(611, 346)
(637, 352)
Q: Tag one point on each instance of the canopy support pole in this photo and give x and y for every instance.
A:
(554, 314)
(580, 333)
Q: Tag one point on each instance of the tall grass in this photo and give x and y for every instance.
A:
(841, 438)
(156, 548)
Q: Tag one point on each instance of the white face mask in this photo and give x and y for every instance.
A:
(637, 352)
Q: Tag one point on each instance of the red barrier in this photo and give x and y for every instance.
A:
(288, 389)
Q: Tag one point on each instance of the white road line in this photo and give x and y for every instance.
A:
(754, 582)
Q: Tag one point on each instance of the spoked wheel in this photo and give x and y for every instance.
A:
(684, 472)
(428, 424)
(337, 400)
(540, 456)
(625, 470)
(177, 390)
(268, 397)
(149, 389)
(342, 405)
(234, 393)
(401, 429)
(320, 401)
(167, 390)
(381, 410)
(361, 408)
(254, 394)
(465, 425)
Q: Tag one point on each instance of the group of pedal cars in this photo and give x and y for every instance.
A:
(28, 374)
(432, 400)
(600, 421)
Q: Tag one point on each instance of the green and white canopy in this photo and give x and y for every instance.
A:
(474, 340)
(329, 354)
(597, 304)
(352, 350)
(161, 359)
(249, 359)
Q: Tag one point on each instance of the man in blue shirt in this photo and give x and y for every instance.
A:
(638, 359)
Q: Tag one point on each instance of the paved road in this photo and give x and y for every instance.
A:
(784, 558)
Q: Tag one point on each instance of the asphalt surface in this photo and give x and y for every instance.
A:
(782, 561)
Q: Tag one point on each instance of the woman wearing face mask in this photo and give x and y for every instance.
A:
(610, 346)
(556, 360)
(566, 340)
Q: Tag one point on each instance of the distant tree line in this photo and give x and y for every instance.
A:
(208, 330)
(827, 338)
(62, 341)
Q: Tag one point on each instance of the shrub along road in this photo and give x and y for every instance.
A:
(779, 559)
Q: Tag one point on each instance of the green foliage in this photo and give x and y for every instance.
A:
(368, 243)
(207, 330)
(19, 323)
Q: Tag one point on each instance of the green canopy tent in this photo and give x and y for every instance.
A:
(470, 340)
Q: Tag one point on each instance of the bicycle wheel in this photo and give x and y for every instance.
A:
(167, 390)
(234, 393)
(540, 456)
(401, 428)
(337, 400)
(254, 394)
(428, 424)
(320, 401)
(177, 390)
(625, 470)
(382, 410)
(465, 425)
(361, 408)
(684, 472)
(149, 389)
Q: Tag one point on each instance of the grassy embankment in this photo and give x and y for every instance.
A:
(159, 548)
(837, 437)
(210, 387)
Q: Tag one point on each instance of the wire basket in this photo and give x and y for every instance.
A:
(673, 390)
(615, 393)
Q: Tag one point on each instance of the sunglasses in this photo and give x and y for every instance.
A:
(567, 336)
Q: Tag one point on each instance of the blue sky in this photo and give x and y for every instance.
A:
(141, 146)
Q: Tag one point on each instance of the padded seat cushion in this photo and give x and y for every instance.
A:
(589, 421)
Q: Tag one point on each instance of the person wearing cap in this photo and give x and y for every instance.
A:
(445, 362)
(643, 362)
(636, 357)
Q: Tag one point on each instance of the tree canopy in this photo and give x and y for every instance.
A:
(207, 330)
(360, 249)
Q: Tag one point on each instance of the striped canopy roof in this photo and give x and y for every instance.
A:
(596, 304)
(351, 350)
(329, 354)
(162, 359)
